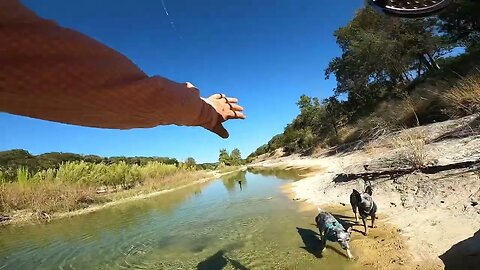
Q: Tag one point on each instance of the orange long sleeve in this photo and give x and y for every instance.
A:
(53, 73)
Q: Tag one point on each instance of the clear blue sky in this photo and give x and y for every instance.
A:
(267, 53)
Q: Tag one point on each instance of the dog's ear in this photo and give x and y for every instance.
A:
(349, 230)
(369, 190)
(357, 195)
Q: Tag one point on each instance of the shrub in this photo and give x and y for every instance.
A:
(411, 149)
(156, 170)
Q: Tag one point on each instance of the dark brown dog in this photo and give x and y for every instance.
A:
(365, 205)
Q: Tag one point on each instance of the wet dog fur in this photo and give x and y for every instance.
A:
(331, 229)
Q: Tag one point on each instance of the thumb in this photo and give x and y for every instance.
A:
(220, 131)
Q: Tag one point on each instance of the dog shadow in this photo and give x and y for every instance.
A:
(348, 222)
(464, 254)
(218, 261)
(313, 244)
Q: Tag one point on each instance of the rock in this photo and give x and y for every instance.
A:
(474, 204)
(394, 204)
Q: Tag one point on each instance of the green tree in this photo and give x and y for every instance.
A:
(190, 163)
(236, 157)
(224, 157)
(461, 22)
(381, 54)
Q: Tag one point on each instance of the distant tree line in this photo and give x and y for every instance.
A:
(386, 60)
(12, 160)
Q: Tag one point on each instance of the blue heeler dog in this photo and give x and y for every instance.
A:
(365, 205)
(330, 229)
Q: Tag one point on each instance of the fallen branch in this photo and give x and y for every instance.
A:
(395, 173)
(4, 218)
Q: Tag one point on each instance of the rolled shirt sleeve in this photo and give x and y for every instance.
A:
(53, 73)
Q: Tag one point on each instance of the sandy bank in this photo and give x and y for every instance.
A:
(437, 215)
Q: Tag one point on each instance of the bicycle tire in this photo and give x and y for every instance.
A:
(410, 8)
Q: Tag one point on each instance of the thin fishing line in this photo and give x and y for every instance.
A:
(172, 23)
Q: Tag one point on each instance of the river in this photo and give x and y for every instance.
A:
(242, 221)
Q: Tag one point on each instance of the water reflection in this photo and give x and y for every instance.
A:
(284, 174)
(233, 180)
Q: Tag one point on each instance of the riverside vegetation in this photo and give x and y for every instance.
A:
(392, 74)
(60, 182)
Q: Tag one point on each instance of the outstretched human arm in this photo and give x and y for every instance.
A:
(53, 73)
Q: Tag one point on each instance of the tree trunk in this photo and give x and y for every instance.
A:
(433, 62)
(407, 76)
(424, 59)
(419, 71)
(334, 124)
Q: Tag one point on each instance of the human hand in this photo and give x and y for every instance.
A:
(227, 108)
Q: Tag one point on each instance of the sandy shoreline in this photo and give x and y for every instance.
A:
(437, 216)
(23, 217)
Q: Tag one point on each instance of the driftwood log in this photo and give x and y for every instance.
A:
(397, 172)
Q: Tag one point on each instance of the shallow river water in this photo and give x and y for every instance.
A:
(215, 225)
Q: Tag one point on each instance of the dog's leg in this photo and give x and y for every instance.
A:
(323, 235)
(365, 225)
(373, 220)
(356, 216)
(349, 254)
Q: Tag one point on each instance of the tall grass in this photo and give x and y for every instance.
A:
(411, 150)
(75, 184)
(23, 176)
(464, 98)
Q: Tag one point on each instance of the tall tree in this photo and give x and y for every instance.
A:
(224, 157)
(461, 22)
(190, 163)
(236, 157)
(380, 54)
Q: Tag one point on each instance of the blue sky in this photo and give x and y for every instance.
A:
(267, 53)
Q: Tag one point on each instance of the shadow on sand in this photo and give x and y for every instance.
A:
(218, 261)
(463, 255)
(311, 240)
(313, 244)
(348, 222)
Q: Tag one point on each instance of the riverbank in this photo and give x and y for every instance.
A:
(21, 217)
(436, 214)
